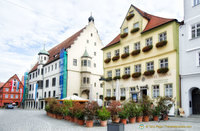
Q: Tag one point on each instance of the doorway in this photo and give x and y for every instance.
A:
(196, 101)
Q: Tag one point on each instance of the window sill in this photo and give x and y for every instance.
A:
(194, 38)
(195, 5)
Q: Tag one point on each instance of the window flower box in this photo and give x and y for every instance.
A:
(147, 48)
(136, 74)
(107, 98)
(135, 52)
(116, 77)
(135, 30)
(113, 97)
(126, 76)
(122, 98)
(149, 73)
(129, 16)
(161, 44)
(125, 55)
(163, 70)
(107, 60)
(109, 79)
(115, 58)
(123, 35)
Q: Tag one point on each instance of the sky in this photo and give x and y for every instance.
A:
(26, 25)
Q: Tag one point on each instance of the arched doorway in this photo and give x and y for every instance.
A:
(196, 101)
(85, 94)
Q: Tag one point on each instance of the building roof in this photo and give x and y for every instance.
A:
(14, 76)
(54, 53)
(43, 52)
(153, 22)
(86, 54)
(1, 84)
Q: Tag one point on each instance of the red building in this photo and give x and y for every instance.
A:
(11, 91)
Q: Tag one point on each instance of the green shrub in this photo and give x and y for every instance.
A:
(103, 114)
(123, 114)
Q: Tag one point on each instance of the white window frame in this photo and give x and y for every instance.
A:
(156, 91)
(137, 46)
(195, 2)
(108, 92)
(126, 49)
(127, 71)
(162, 36)
(117, 52)
(108, 55)
(163, 63)
(74, 62)
(195, 28)
(149, 41)
(150, 65)
(136, 25)
(168, 90)
(109, 73)
(138, 68)
(114, 92)
(125, 30)
(117, 72)
(123, 91)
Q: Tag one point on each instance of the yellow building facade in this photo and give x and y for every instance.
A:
(143, 59)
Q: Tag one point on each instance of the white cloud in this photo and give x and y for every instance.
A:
(25, 25)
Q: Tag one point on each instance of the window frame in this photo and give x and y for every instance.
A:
(126, 49)
(109, 73)
(137, 68)
(117, 72)
(127, 70)
(117, 52)
(125, 30)
(137, 46)
(74, 62)
(164, 64)
(156, 91)
(123, 91)
(162, 38)
(168, 90)
(147, 68)
(149, 41)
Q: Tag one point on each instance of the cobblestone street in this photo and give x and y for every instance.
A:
(34, 120)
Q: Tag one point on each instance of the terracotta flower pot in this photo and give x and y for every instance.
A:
(89, 123)
(68, 118)
(166, 118)
(104, 123)
(72, 119)
(146, 118)
(59, 116)
(155, 118)
(132, 120)
(75, 120)
(81, 122)
(47, 113)
(139, 119)
(123, 121)
(116, 120)
(54, 116)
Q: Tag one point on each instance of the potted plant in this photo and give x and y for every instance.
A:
(47, 109)
(58, 111)
(136, 75)
(146, 105)
(139, 113)
(149, 73)
(114, 109)
(107, 98)
(78, 112)
(135, 30)
(109, 79)
(123, 35)
(161, 44)
(126, 76)
(128, 17)
(115, 58)
(156, 113)
(90, 112)
(163, 70)
(113, 98)
(122, 98)
(131, 111)
(67, 105)
(116, 77)
(135, 52)
(125, 55)
(107, 60)
(103, 115)
(147, 48)
(123, 115)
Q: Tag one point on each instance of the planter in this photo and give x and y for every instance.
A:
(155, 118)
(116, 77)
(113, 98)
(163, 70)
(115, 58)
(54, 116)
(123, 35)
(136, 75)
(161, 44)
(149, 73)
(123, 121)
(103, 123)
(135, 52)
(132, 120)
(116, 120)
(139, 119)
(146, 118)
(165, 118)
(108, 98)
(89, 123)
(135, 30)
(59, 116)
(107, 60)
(81, 122)
(109, 79)
(123, 98)
(126, 76)
(147, 48)
(125, 55)
(129, 16)
(75, 120)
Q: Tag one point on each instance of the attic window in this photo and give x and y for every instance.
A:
(55, 56)
(131, 12)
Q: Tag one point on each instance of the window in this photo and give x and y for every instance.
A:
(84, 62)
(45, 70)
(114, 92)
(168, 90)
(45, 94)
(150, 66)
(7, 89)
(123, 92)
(89, 63)
(196, 2)
(95, 43)
(149, 41)
(136, 25)
(88, 80)
(38, 72)
(49, 93)
(55, 66)
(109, 73)
(51, 67)
(54, 82)
(156, 91)
(75, 62)
(164, 63)
(6, 95)
(29, 87)
(54, 93)
(16, 96)
(91, 34)
(42, 70)
(95, 84)
(11, 96)
(33, 75)
(198, 59)
(95, 65)
(132, 89)
(37, 94)
(108, 92)
(126, 30)
(84, 80)
(117, 52)
(30, 76)
(109, 55)
(137, 46)
(126, 49)
(44, 58)
(47, 83)
(95, 53)
(32, 96)
(87, 41)
(138, 68)
(162, 36)
(117, 71)
(127, 70)
(195, 30)
(48, 68)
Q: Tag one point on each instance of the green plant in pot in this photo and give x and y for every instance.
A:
(103, 115)
(123, 115)
(139, 113)
(78, 110)
(47, 109)
(146, 105)
(156, 113)
(131, 108)
(114, 109)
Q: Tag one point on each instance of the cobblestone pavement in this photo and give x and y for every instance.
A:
(34, 120)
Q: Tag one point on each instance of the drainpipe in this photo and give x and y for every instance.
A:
(180, 90)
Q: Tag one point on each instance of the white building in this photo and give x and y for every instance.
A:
(84, 68)
(190, 57)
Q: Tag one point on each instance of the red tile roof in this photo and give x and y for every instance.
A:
(1, 84)
(153, 22)
(54, 53)
(14, 76)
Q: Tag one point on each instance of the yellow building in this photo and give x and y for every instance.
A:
(143, 58)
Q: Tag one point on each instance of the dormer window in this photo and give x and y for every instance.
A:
(136, 25)
(126, 30)
(44, 58)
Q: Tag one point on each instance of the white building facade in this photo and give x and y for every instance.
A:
(84, 69)
(189, 38)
